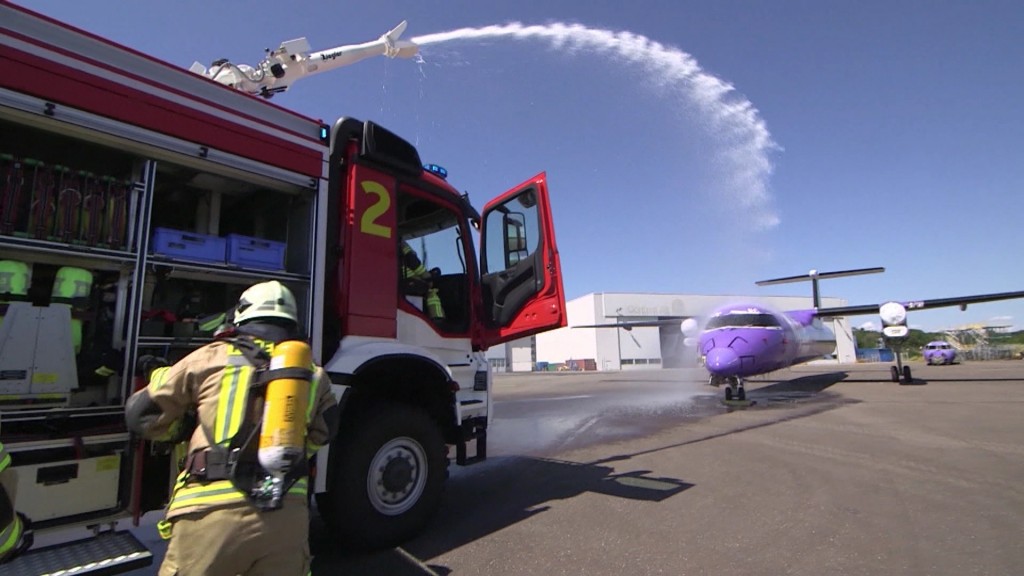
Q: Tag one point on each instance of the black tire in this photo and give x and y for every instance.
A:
(393, 443)
(894, 373)
(741, 394)
(907, 378)
(728, 394)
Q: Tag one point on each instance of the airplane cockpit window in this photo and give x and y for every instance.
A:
(743, 321)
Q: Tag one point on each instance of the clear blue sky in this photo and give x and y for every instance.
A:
(825, 135)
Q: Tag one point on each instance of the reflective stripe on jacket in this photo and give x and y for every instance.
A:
(11, 533)
(412, 267)
(5, 458)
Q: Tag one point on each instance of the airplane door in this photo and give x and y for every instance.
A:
(520, 271)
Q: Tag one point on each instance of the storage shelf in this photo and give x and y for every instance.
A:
(57, 414)
(50, 252)
(221, 272)
(174, 342)
(100, 439)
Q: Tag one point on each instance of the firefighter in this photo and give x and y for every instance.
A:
(15, 528)
(418, 281)
(219, 519)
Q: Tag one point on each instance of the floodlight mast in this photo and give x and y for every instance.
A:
(293, 60)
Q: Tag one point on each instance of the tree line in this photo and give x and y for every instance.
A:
(919, 338)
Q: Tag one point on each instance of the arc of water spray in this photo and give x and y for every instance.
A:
(732, 119)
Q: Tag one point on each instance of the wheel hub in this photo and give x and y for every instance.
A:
(397, 476)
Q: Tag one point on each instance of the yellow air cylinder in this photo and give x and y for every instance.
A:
(283, 435)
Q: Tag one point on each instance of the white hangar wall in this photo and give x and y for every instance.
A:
(644, 348)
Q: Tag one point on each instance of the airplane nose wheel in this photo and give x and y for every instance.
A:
(735, 390)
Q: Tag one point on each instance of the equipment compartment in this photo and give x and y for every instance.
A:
(68, 487)
(251, 252)
(67, 462)
(188, 245)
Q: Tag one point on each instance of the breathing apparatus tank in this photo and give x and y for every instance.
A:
(282, 443)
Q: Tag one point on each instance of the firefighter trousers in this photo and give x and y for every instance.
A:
(239, 539)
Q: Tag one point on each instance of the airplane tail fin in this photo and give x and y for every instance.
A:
(814, 276)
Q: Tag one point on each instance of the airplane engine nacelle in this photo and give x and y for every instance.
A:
(894, 320)
(689, 327)
(893, 314)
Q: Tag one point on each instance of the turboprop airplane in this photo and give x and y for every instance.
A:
(741, 340)
(939, 352)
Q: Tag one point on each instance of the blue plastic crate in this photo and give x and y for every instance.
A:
(188, 245)
(250, 252)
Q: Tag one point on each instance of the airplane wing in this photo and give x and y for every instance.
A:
(961, 301)
(630, 324)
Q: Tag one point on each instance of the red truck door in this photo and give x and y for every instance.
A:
(520, 273)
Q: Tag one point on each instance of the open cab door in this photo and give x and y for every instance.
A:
(520, 274)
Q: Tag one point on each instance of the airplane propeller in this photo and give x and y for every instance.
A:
(633, 337)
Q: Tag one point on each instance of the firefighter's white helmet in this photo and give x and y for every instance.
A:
(266, 300)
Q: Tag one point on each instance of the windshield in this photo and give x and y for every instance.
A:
(744, 321)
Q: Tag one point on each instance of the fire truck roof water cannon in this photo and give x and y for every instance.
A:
(293, 60)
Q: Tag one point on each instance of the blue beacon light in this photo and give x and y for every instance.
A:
(436, 170)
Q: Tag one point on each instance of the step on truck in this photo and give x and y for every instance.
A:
(137, 201)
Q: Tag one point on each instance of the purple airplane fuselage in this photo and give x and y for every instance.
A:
(939, 352)
(741, 340)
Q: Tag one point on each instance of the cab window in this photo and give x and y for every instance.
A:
(513, 233)
(433, 275)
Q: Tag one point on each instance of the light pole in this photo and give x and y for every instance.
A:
(618, 335)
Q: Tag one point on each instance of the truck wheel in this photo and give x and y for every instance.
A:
(388, 468)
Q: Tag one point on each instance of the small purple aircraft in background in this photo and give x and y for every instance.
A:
(743, 340)
(939, 352)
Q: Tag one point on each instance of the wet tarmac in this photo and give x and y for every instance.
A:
(595, 408)
(829, 470)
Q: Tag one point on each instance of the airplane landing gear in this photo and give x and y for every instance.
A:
(735, 390)
(900, 370)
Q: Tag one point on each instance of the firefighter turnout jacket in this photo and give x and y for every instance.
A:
(15, 532)
(214, 382)
(414, 270)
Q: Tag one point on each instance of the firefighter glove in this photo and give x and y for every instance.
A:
(147, 363)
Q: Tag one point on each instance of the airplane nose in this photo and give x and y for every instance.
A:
(722, 360)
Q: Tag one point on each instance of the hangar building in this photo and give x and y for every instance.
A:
(642, 347)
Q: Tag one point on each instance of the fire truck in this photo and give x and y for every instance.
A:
(138, 199)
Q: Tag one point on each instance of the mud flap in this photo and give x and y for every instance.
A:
(473, 429)
(107, 553)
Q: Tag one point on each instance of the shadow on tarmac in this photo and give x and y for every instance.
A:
(489, 497)
(812, 383)
(787, 392)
